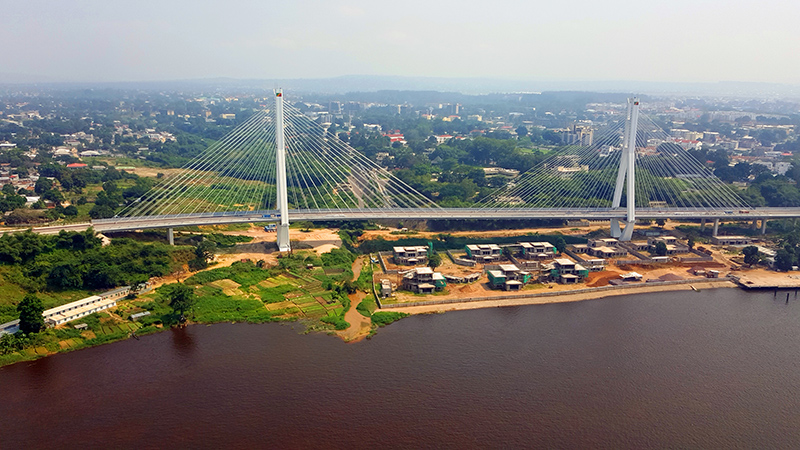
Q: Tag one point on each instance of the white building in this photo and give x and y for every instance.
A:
(75, 310)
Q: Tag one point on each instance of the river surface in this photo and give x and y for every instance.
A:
(717, 368)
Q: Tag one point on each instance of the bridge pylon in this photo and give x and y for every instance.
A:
(280, 167)
(627, 165)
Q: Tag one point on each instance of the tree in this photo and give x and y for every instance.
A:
(522, 131)
(784, 260)
(661, 248)
(203, 253)
(181, 298)
(560, 244)
(751, 255)
(661, 222)
(53, 195)
(205, 250)
(101, 212)
(42, 185)
(435, 260)
(690, 242)
(30, 314)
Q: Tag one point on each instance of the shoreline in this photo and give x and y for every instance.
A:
(565, 297)
(520, 300)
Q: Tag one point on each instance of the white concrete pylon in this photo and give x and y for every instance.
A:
(627, 171)
(280, 167)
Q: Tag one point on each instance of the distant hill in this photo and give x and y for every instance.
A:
(472, 86)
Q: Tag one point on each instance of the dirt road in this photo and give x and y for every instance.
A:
(360, 326)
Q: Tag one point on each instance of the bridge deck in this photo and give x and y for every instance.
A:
(148, 222)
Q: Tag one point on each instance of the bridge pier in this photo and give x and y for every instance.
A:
(764, 226)
(170, 236)
(283, 238)
(280, 176)
(702, 225)
(716, 228)
(754, 225)
(616, 232)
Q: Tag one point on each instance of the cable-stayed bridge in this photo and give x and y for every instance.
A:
(281, 165)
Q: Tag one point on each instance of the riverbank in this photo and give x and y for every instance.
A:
(709, 369)
(556, 297)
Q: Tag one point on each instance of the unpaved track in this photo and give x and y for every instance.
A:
(360, 326)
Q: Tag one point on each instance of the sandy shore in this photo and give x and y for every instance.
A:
(566, 297)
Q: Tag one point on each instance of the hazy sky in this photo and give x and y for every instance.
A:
(645, 40)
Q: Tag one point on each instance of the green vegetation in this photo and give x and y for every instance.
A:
(364, 281)
(367, 306)
(337, 321)
(243, 273)
(69, 266)
(751, 255)
(435, 260)
(181, 298)
(73, 260)
(383, 318)
(102, 328)
(227, 240)
(30, 314)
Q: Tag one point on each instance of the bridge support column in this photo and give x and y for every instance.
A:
(754, 225)
(716, 228)
(280, 167)
(702, 224)
(626, 172)
(764, 226)
(170, 236)
(616, 231)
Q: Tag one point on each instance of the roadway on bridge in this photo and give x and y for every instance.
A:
(173, 221)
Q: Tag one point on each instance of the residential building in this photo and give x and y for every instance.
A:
(538, 249)
(507, 277)
(423, 280)
(568, 272)
(671, 242)
(601, 248)
(410, 256)
(484, 252)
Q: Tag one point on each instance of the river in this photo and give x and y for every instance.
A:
(717, 368)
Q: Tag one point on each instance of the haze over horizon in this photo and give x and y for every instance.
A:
(681, 41)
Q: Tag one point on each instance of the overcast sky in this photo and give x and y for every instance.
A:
(644, 40)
